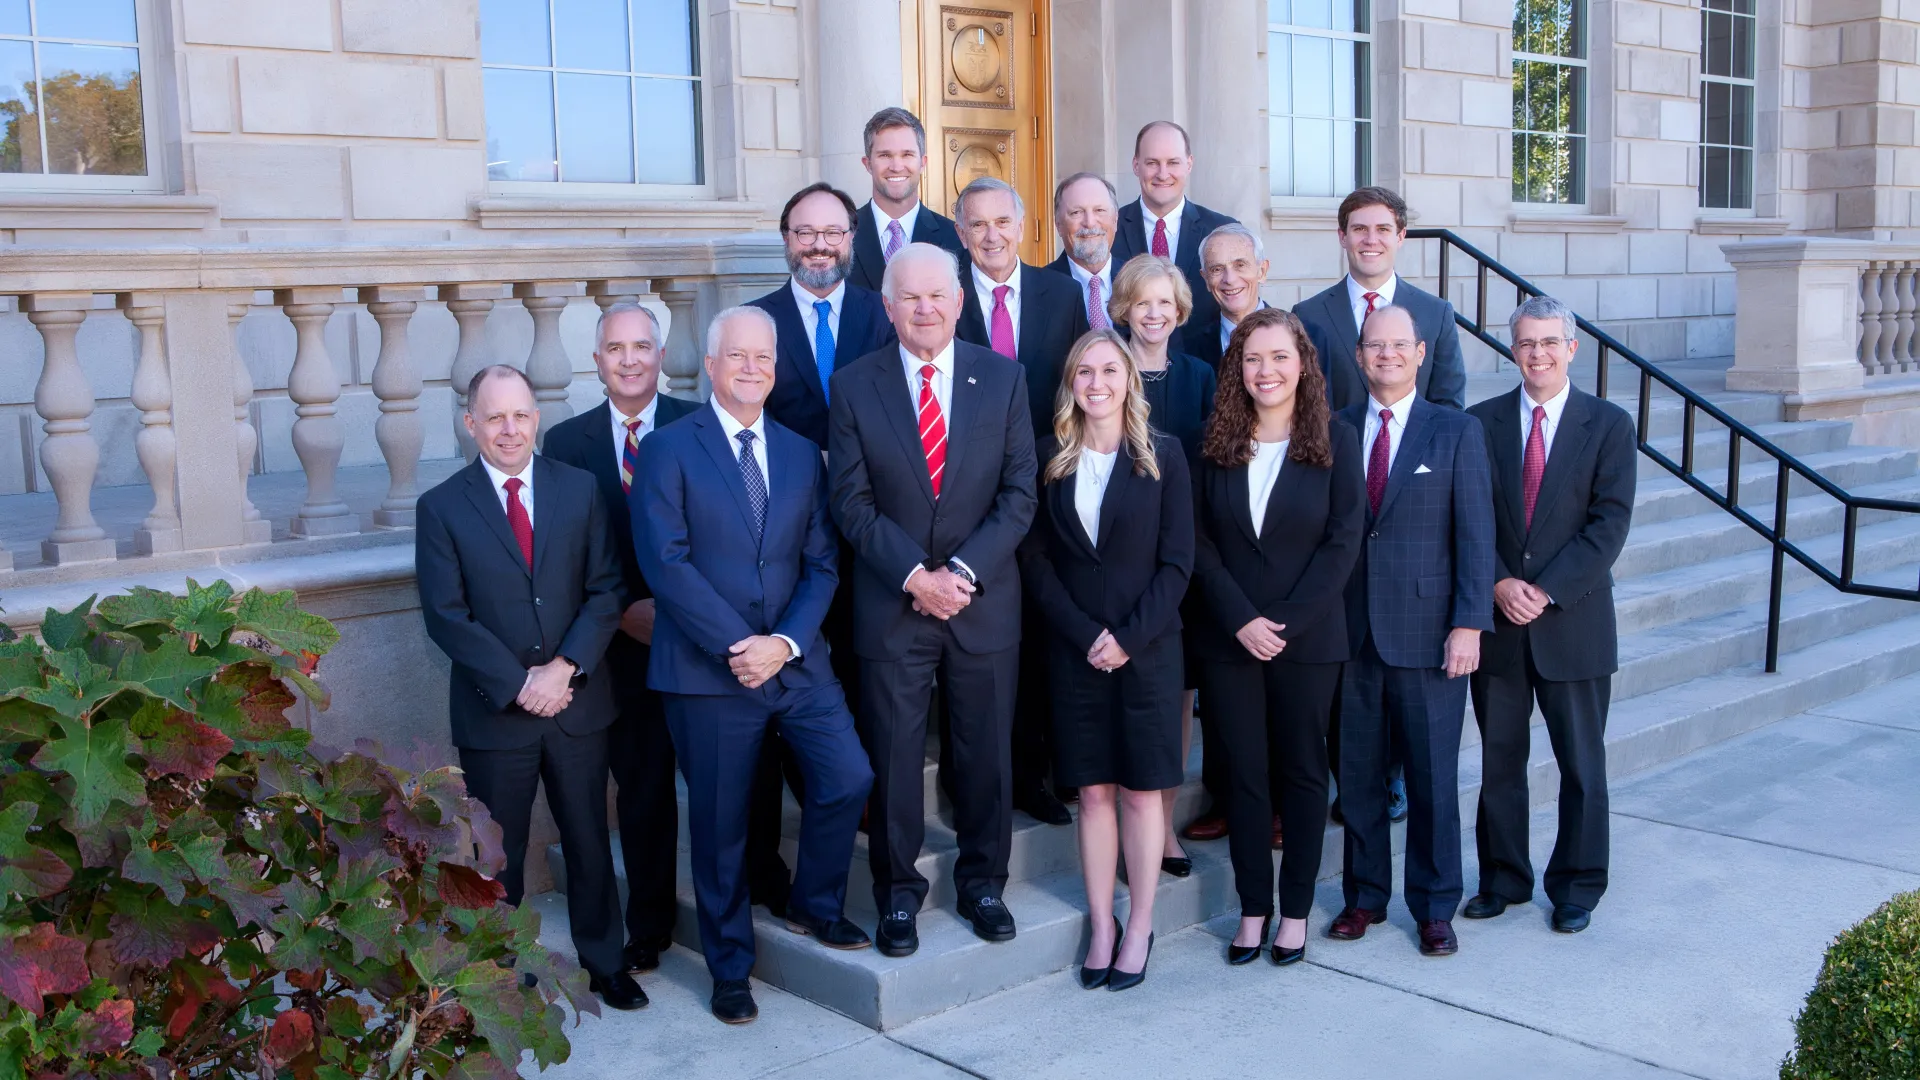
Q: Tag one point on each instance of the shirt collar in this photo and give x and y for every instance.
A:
(499, 479)
(983, 285)
(906, 220)
(1400, 409)
(943, 362)
(1229, 326)
(1357, 295)
(1555, 405)
(1172, 217)
(646, 415)
(733, 427)
(806, 300)
(1082, 275)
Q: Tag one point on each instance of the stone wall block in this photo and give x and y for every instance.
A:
(466, 102)
(1578, 293)
(1680, 121)
(401, 182)
(1437, 199)
(415, 28)
(1659, 163)
(1679, 207)
(1534, 255)
(789, 128)
(1636, 23)
(209, 92)
(1452, 47)
(756, 116)
(769, 46)
(1680, 28)
(1846, 168)
(283, 24)
(1486, 103)
(271, 180)
(1596, 253)
(1656, 253)
(1666, 73)
(1628, 298)
(1843, 84)
(296, 95)
(1636, 116)
(1432, 9)
(1487, 203)
(1685, 296)
(1496, 13)
(1435, 98)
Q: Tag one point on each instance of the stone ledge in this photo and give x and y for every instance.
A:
(1302, 215)
(1567, 222)
(540, 212)
(1707, 225)
(100, 210)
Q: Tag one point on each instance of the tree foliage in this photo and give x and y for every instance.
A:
(95, 126)
(1862, 1017)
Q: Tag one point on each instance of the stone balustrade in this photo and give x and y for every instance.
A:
(192, 389)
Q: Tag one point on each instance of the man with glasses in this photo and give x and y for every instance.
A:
(896, 156)
(1085, 214)
(1563, 482)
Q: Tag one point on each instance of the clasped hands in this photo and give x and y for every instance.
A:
(1261, 637)
(756, 659)
(1106, 654)
(548, 689)
(1519, 601)
(940, 593)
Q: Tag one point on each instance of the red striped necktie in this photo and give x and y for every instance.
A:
(933, 428)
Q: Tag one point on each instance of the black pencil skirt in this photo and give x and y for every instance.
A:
(1120, 727)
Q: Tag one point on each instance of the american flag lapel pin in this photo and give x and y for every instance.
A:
(969, 380)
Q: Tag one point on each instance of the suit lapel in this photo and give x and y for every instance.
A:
(1133, 228)
(720, 449)
(963, 400)
(1568, 442)
(546, 508)
(973, 317)
(1033, 311)
(1413, 444)
(792, 328)
(781, 465)
(1061, 496)
(1506, 459)
(925, 230)
(486, 502)
(890, 382)
(1116, 495)
(866, 244)
(1346, 337)
(601, 460)
(1288, 475)
(1240, 500)
(1188, 257)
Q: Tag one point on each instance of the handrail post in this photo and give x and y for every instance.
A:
(1446, 249)
(1777, 585)
(1599, 370)
(1847, 543)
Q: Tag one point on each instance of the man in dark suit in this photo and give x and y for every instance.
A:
(931, 453)
(896, 156)
(605, 441)
(1162, 221)
(1373, 225)
(1563, 481)
(734, 536)
(1233, 259)
(1032, 317)
(1417, 603)
(1086, 214)
(520, 587)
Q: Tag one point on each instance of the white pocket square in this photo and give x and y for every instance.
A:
(1421, 469)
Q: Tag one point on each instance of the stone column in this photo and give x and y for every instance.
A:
(548, 368)
(858, 50)
(681, 360)
(470, 304)
(155, 444)
(64, 399)
(1798, 304)
(1227, 89)
(318, 435)
(253, 528)
(397, 384)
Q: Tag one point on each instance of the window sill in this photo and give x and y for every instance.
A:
(668, 215)
(1576, 221)
(1732, 225)
(82, 210)
(1295, 214)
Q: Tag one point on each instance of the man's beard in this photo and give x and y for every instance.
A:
(826, 278)
(1091, 248)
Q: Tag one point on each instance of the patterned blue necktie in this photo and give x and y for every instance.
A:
(823, 345)
(756, 484)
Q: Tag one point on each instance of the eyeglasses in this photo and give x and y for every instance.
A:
(1378, 348)
(807, 235)
(1550, 344)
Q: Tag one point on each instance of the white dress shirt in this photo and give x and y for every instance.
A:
(732, 429)
(983, 287)
(500, 479)
(1554, 405)
(1090, 486)
(1228, 326)
(906, 220)
(1357, 298)
(1081, 275)
(1148, 218)
(1262, 471)
(810, 318)
(620, 427)
(1397, 427)
(942, 395)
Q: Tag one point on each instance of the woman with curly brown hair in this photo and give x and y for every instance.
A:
(1280, 501)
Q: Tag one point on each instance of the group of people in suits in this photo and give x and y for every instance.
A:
(1035, 508)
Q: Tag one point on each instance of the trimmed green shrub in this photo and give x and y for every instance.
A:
(1862, 1018)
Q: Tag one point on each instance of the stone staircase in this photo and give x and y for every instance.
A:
(1692, 589)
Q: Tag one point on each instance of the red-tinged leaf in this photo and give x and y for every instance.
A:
(251, 899)
(291, 1033)
(27, 869)
(468, 888)
(194, 985)
(314, 980)
(39, 962)
(107, 1028)
(149, 930)
(481, 1065)
(188, 748)
(252, 703)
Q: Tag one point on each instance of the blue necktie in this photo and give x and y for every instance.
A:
(823, 344)
(755, 483)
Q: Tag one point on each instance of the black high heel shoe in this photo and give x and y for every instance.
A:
(1244, 954)
(1284, 957)
(1127, 980)
(1092, 978)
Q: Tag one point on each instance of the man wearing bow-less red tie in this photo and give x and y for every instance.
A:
(1164, 222)
(931, 455)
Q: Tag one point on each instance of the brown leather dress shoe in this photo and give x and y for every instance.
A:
(1351, 924)
(1208, 826)
(1277, 839)
(1437, 939)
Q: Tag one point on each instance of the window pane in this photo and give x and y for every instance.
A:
(1713, 176)
(1344, 80)
(1280, 155)
(515, 32)
(1740, 185)
(1718, 43)
(1714, 107)
(1280, 74)
(13, 17)
(1314, 13)
(19, 116)
(1549, 27)
(1741, 127)
(520, 142)
(1313, 158)
(95, 20)
(1280, 12)
(669, 114)
(596, 129)
(1547, 168)
(590, 34)
(1312, 76)
(663, 42)
(94, 121)
(1342, 158)
(1350, 15)
(1743, 48)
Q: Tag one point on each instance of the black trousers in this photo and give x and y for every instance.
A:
(574, 769)
(1271, 720)
(895, 696)
(640, 758)
(1576, 715)
(1032, 728)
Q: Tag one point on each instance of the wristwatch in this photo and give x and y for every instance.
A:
(965, 574)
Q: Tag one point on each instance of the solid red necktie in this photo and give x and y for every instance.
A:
(517, 519)
(933, 428)
(1534, 465)
(1377, 463)
(1160, 238)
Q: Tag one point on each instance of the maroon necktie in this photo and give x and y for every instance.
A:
(1160, 238)
(518, 521)
(1534, 465)
(1377, 464)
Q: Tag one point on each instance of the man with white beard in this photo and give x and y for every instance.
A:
(1086, 211)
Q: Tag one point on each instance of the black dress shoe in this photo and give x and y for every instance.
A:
(619, 991)
(643, 954)
(733, 1001)
(1093, 978)
(771, 893)
(990, 918)
(897, 934)
(1038, 803)
(1570, 918)
(1485, 906)
(1244, 954)
(1283, 957)
(1178, 866)
(833, 933)
(1127, 980)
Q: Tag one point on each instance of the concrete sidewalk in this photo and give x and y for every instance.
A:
(1732, 869)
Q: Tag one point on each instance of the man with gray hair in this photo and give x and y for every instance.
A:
(1085, 214)
(1563, 483)
(896, 156)
(1233, 262)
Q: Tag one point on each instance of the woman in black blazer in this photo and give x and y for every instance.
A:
(1108, 560)
(1280, 498)
(1151, 299)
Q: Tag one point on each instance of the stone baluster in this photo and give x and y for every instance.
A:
(318, 435)
(254, 529)
(155, 444)
(548, 368)
(397, 384)
(1903, 325)
(613, 291)
(1889, 316)
(470, 304)
(1870, 317)
(64, 399)
(681, 360)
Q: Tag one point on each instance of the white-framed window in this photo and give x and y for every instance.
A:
(593, 92)
(1319, 96)
(1550, 101)
(75, 113)
(1726, 104)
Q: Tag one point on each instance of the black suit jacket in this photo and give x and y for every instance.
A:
(1329, 320)
(798, 402)
(586, 442)
(1196, 222)
(1580, 521)
(495, 619)
(1130, 582)
(1296, 570)
(1203, 342)
(870, 262)
(1052, 318)
(884, 504)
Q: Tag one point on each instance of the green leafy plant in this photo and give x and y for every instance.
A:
(1862, 1018)
(191, 889)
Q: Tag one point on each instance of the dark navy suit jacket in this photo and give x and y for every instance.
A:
(1052, 318)
(798, 402)
(713, 582)
(586, 442)
(1196, 222)
(1426, 561)
(1329, 319)
(870, 261)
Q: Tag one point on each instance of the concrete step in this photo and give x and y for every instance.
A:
(1799, 438)
(1663, 496)
(1663, 545)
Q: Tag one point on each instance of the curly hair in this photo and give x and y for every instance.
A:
(1069, 423)
(1228, 441)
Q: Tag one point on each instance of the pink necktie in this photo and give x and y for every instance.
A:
(895, 240)
(1160, 238)
(1001, 335)
(1096, 306)
(1534, 465)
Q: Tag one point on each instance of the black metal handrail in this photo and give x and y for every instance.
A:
(1786, 465)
